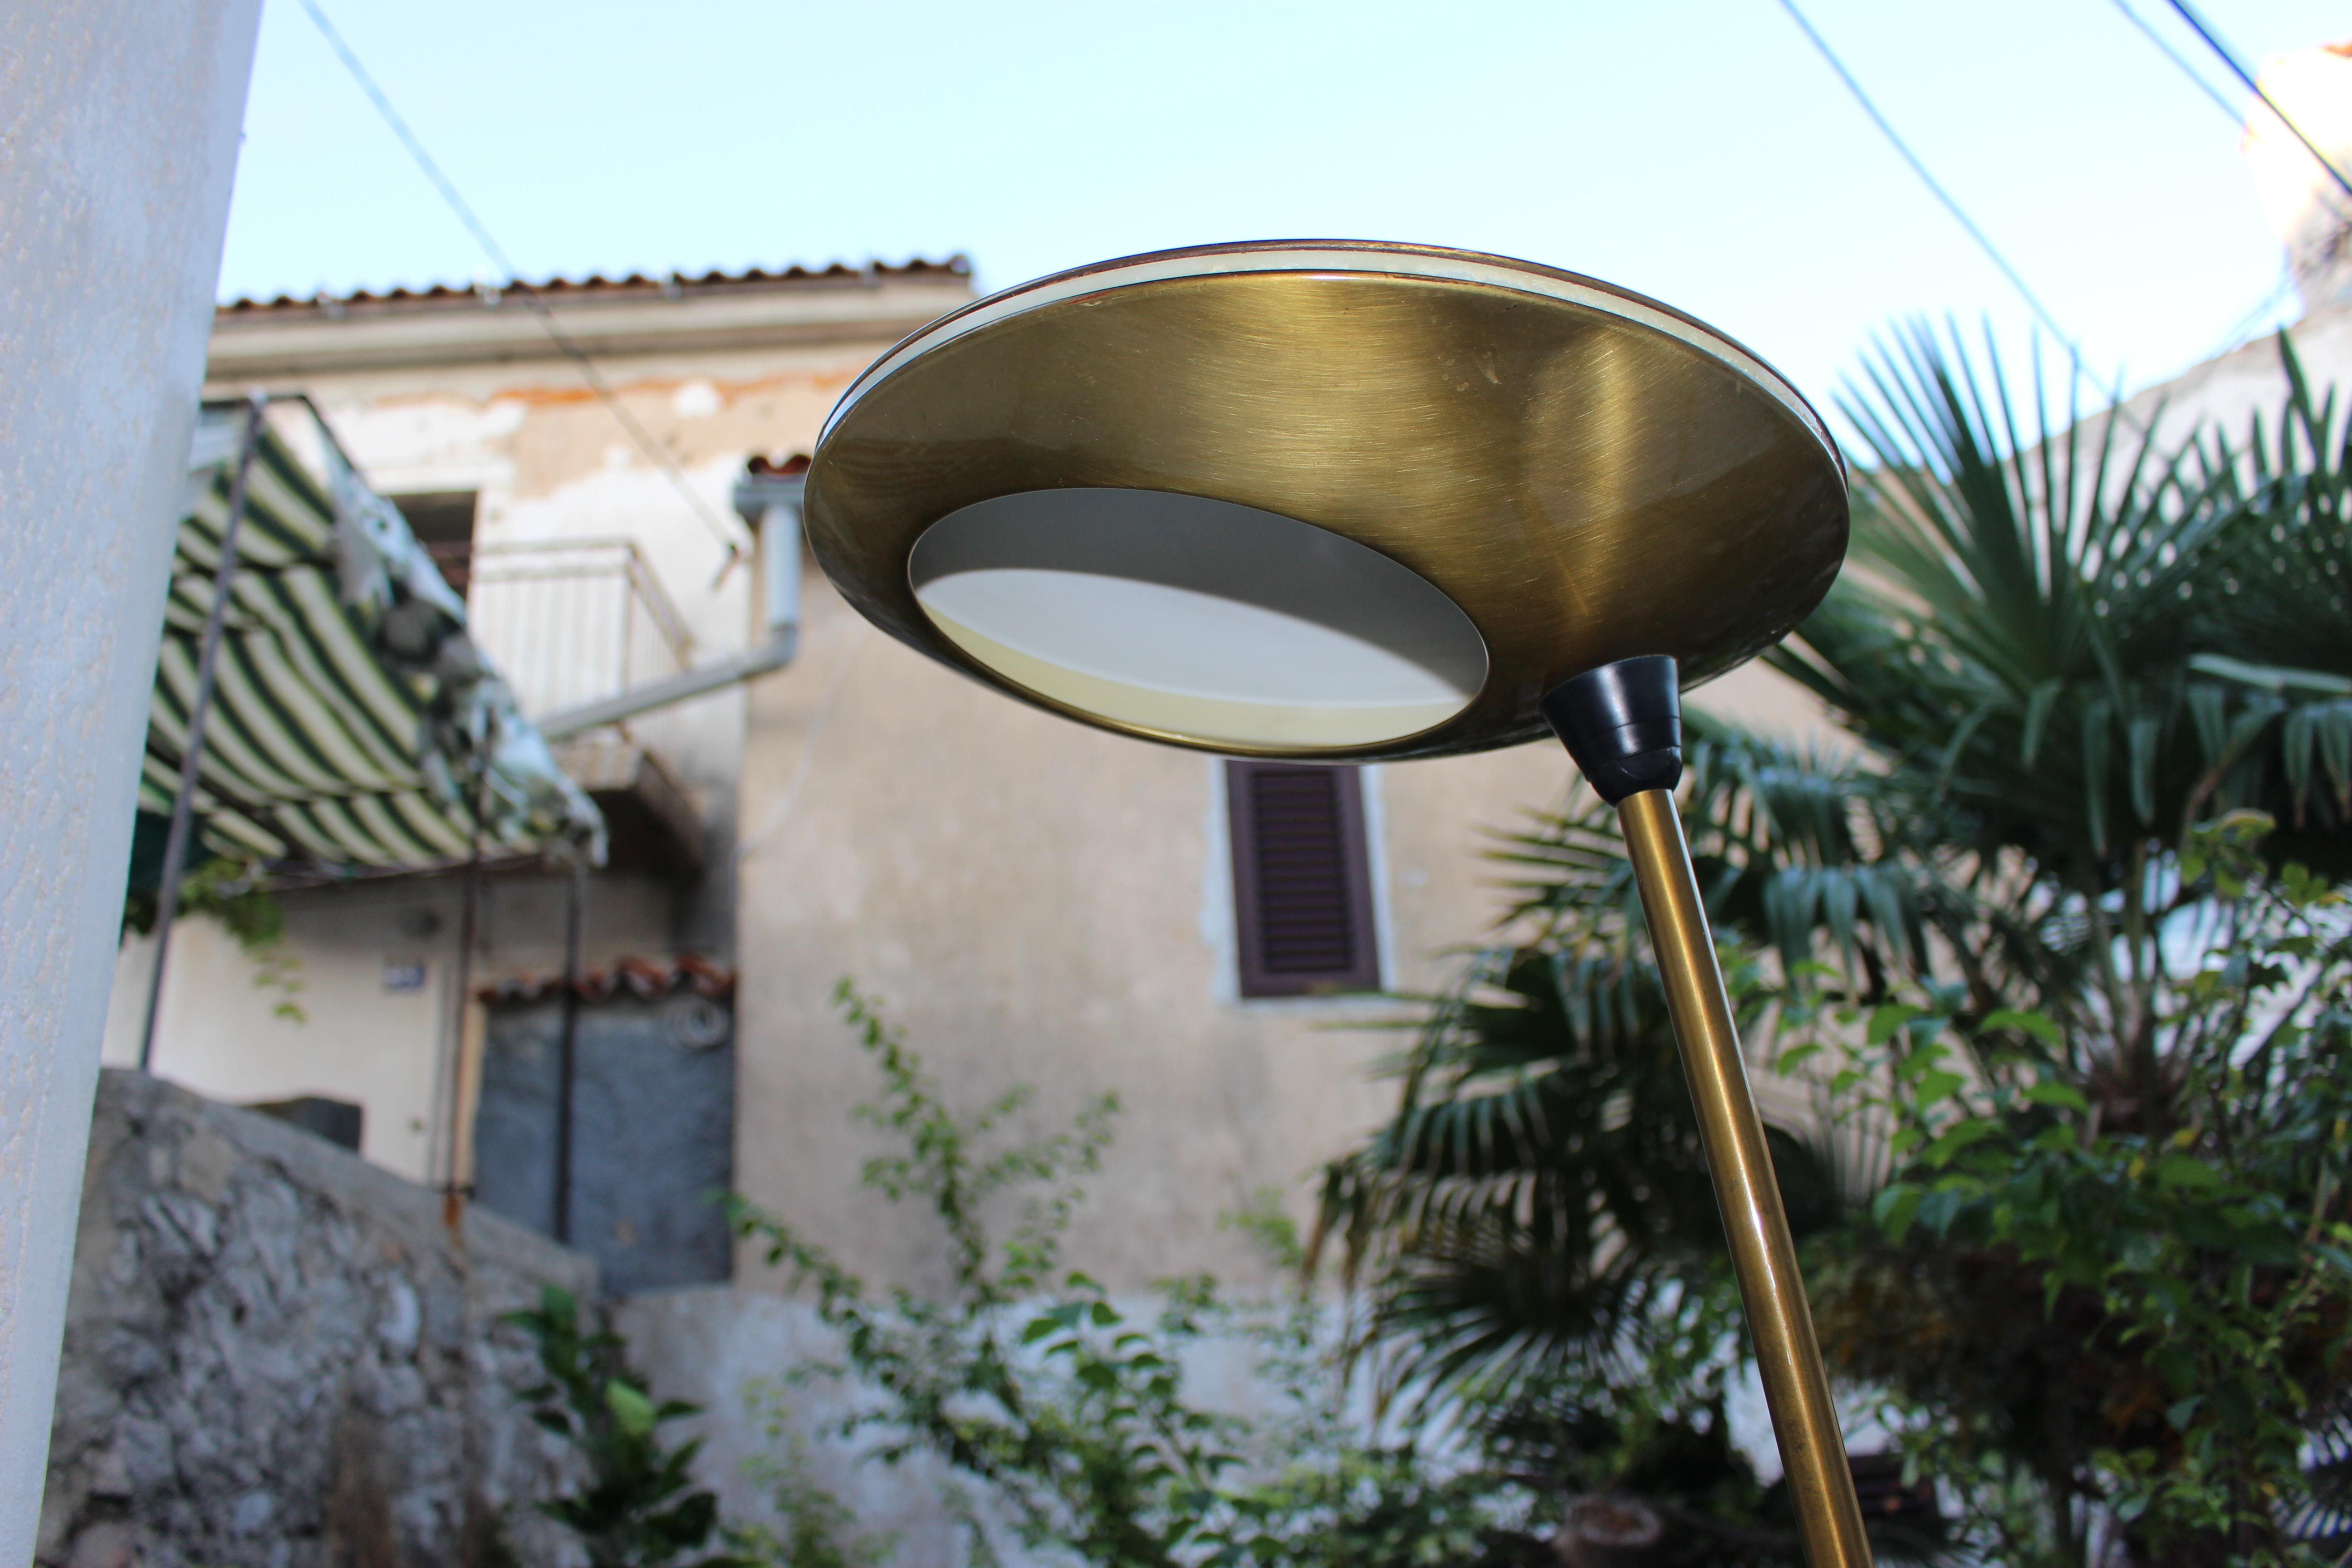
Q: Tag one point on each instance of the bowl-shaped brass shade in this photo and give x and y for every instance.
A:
(1328, 500)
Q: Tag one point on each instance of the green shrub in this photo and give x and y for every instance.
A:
(638, 1508)
(1064, 1417)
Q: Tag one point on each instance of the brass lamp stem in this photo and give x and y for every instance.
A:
(1812, 1449)
(1622, 723)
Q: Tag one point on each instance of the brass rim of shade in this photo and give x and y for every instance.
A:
(1587, 474)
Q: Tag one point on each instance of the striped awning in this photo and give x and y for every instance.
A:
(354, 725)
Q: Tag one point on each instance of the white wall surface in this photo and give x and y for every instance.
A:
(359, 1037)
(117, 142)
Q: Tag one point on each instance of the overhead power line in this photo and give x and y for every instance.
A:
(1952, 204)
(554, 328)
(2279, 293)
(2213, 94)
(2212, 41)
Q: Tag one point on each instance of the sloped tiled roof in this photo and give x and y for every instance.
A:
(599, 287)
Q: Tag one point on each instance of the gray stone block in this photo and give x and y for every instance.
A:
(278, 1354)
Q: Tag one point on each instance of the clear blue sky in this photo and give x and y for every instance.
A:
(1695, 150)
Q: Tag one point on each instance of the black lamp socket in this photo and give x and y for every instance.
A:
(1622, 723)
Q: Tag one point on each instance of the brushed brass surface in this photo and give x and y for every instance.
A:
(1812, 1448)
(1588, 474)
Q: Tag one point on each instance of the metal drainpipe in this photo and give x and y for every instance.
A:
(772, 504)
(567, 1055)
(778, 501)
(449, 1082)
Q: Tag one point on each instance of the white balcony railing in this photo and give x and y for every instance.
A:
(573, 621)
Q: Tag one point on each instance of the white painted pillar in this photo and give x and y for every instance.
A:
(117, 140)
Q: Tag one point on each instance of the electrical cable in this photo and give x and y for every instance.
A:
(2213, 94)
(2189, 15)
(1952, 204)
(539, 306)
(2287, 285)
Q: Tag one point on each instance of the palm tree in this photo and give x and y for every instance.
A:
(2058, 646)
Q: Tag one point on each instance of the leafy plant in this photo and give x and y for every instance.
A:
(1539, 1208)
(639, 1509)
(819, 1530)
(1102, 1458)
(2060, 651)
(1065, 1413)
(2191, 1284)
(232, 892)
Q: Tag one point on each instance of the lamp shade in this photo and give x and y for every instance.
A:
(1328, 500)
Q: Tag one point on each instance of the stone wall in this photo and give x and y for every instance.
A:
(279, 1356)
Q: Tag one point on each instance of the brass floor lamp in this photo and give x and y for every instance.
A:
(1342, 502)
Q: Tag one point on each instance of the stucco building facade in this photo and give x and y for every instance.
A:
(1033, 902)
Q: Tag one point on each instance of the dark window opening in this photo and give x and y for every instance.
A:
(443, 521)
(1302, 880)
(339, 1122)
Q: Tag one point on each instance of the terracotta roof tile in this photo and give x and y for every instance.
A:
(643, 978)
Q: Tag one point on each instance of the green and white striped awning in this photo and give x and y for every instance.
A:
(354, 725)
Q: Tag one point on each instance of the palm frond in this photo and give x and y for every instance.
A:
(2027, 626)
(1543, 1179)
(2061, 642)
(1793, 852)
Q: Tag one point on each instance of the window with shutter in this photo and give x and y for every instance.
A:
(1302, 880)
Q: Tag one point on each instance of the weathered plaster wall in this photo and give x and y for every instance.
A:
(221, 1035)
(2229, 392)
(549, 462)
(1041, 902)
(118, 138)
(279, 1356)
(1037, 902)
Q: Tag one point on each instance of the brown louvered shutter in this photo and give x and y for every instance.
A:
(1302, 880)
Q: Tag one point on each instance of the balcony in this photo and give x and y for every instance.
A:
(572, 621)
